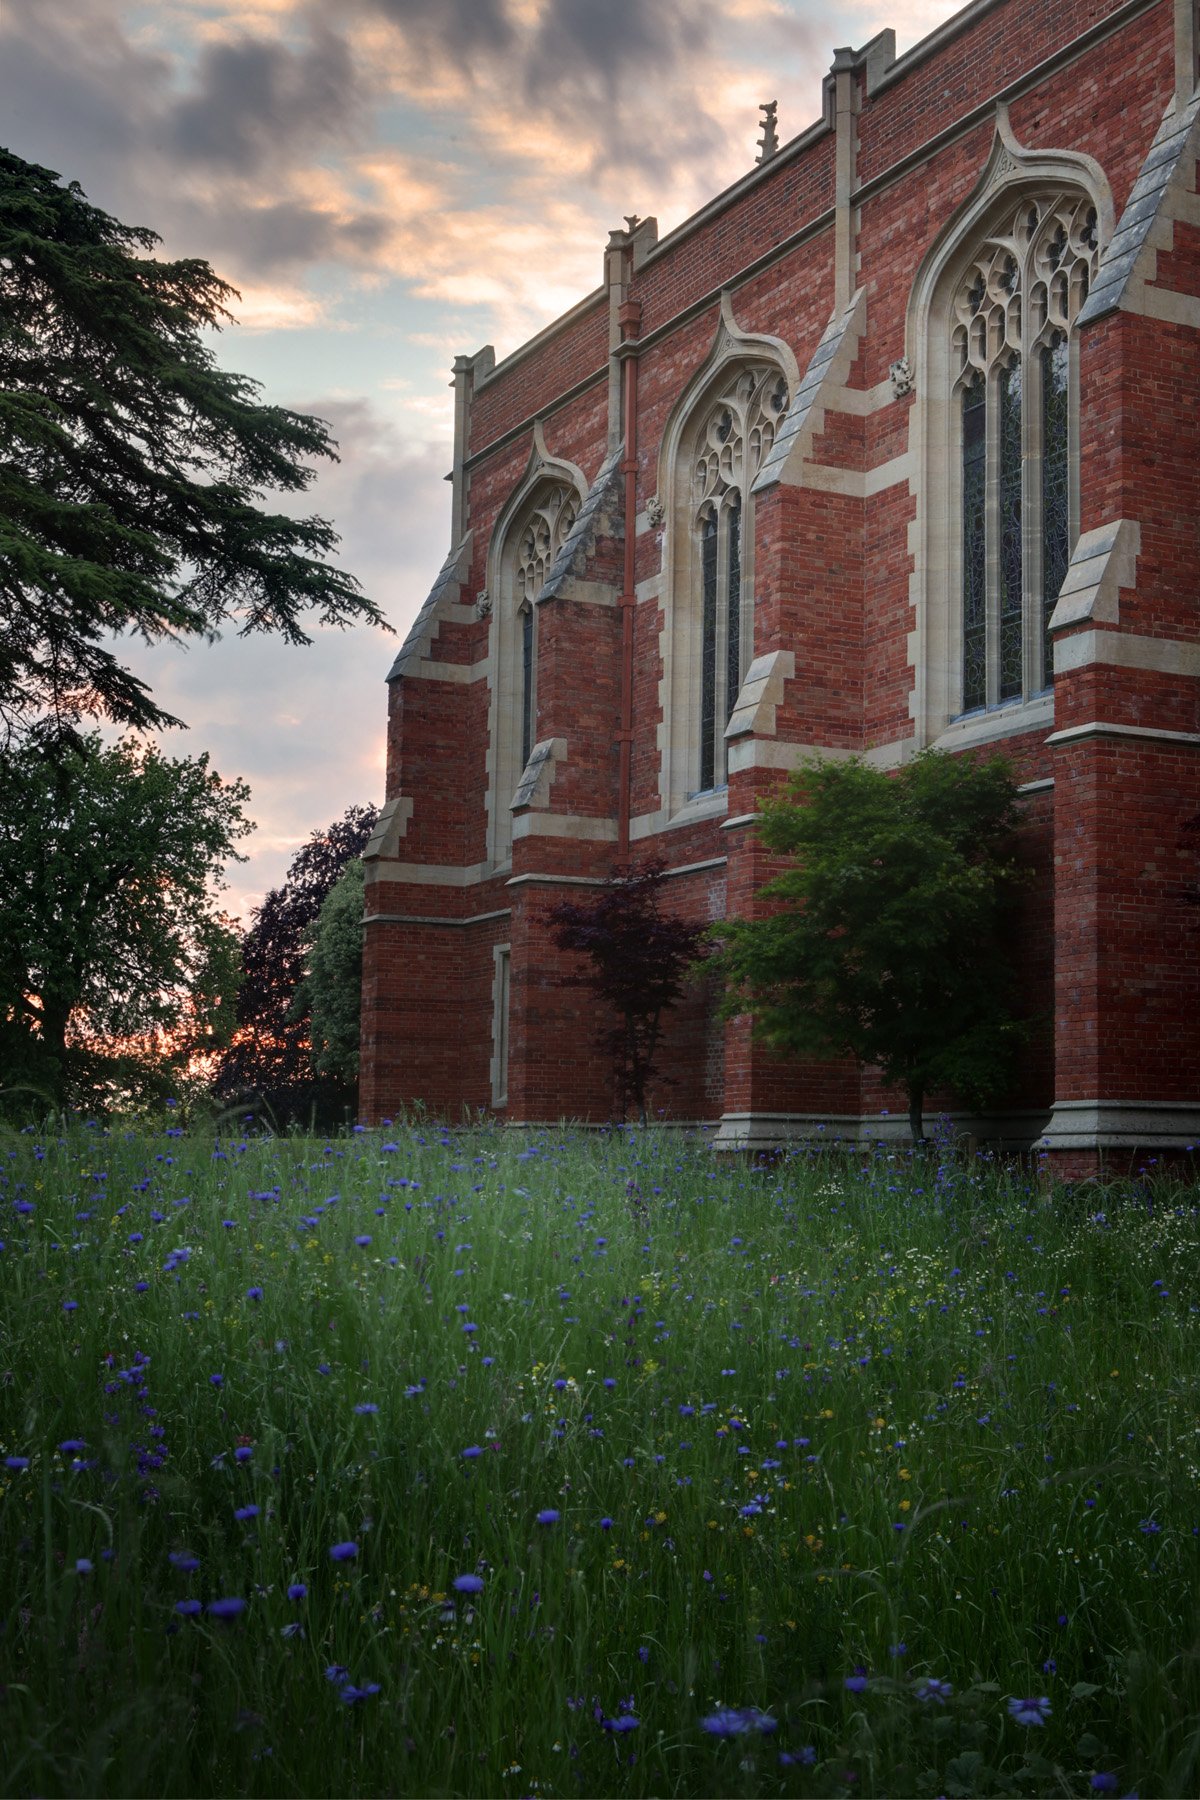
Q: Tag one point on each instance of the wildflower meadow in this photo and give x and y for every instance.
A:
(470, 1462)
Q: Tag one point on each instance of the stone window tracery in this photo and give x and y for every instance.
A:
(1014, 362)
(526, 557)
(539, 540)
(734, 434)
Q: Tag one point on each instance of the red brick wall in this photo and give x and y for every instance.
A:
(1105, 947)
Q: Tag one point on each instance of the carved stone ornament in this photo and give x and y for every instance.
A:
(483, 603)
(902, 376)
(656, 513)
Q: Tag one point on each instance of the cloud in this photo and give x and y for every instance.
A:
(306, 727)
(253, 99)
(263, 308)
(466, 32)
(228, 147)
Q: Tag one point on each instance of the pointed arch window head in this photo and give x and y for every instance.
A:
(1012, 318)
(521, 559)
(539, 541)
(734, 433)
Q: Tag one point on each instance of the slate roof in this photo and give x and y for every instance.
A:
(448, 577)
(806, 397)
(575, 541)
(1118, 265)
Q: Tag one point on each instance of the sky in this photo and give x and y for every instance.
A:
(389, 183)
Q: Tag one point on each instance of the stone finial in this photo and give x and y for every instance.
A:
(768, 143)
(902, 376)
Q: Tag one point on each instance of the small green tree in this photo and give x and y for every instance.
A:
(269, 1061)
(117, 967)
(332, 988)
(887, 942)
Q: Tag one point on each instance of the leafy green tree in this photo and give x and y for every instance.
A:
(131, 466)
(117, 967)
(637, 956)
(331, 991)
(887, 938)
(270, 1058)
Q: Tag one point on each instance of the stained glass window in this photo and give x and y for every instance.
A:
(974, 499)
(538, 535)
(1011, 584)
(526, 683)
(708, 656)
(1012, 315)
(1055, 483)
(733, 592)
(735, 433)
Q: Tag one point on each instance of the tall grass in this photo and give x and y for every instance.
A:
(858, 1474)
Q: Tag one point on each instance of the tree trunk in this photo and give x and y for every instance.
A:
(916, 1123)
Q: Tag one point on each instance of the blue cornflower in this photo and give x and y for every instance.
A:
(84, 1565)
(70, 1306)
(189, 1608)
(72, 1446)
(16, 1462)
(1104, 1782)
(623, 1723)
(736, 1721)
(231, 1608)
(254, 1293)
(349, 1693)
(343, 1552)
(467, 1584)
(547, 1516)
(609, 1382)
(1032, 1711)
(471, 1452)
(606, 1523)
(856, 1683)
(930, 1688)
(724, 1723)
(366, 1406)
(297, 1591)
(217, 1380)
(243, 1453)
(246, 1512)
(363, 1240)
(184, 1560)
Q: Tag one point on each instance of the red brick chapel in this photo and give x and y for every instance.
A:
(893, 444)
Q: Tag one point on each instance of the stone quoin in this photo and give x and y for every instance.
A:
(893, 444)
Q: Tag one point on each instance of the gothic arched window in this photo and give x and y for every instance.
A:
(538, 542)
(1015, 364)
(734, 431)
(527, 550)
